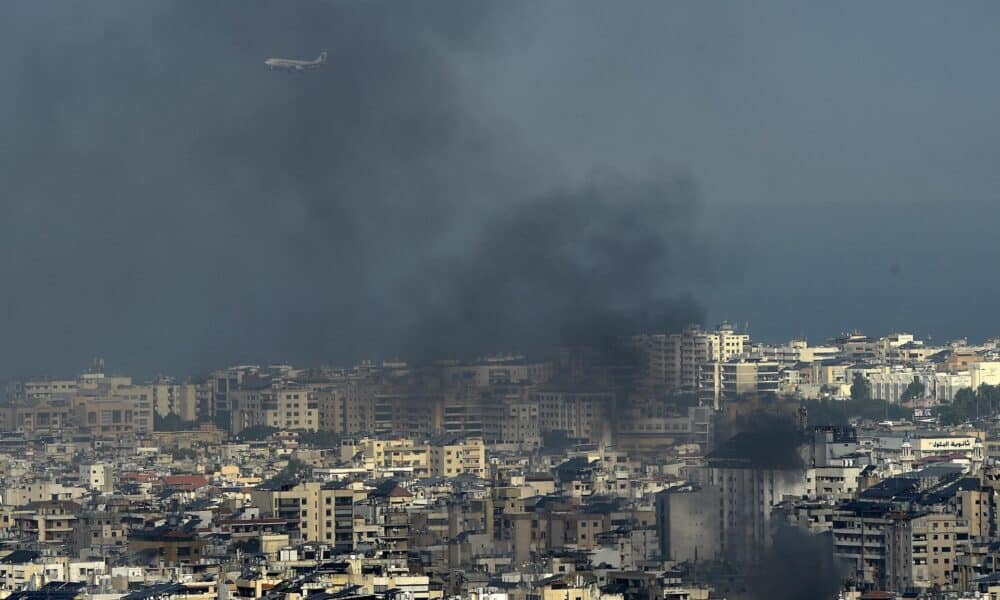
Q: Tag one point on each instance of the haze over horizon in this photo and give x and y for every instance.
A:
(172, 206)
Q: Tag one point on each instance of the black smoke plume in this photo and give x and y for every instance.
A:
(797, 565)
(576, 267)
(170, 204)
(759, 440)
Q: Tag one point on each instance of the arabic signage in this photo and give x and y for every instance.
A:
(948, 444)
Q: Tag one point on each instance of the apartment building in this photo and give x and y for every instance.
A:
(750, 484)
(291, 408)
(730, 379)
(50, 522)
(499, 370)
(174, 399)
(921, 550)
(315, 511)
(688, 523)
(98, 477)
(407, 411)
(580, 414)
(797, 351)
(859, 540)
(674, 361)
(459, 457)
(130, 411)
(440, 458)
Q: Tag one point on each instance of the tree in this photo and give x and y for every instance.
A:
(970, 405)
(321, 439)
(913, 391)
(294, 472)
(840, 412)
(172, 422)
(989, 398)
(184, 453)
(257, 433)
(861, 390)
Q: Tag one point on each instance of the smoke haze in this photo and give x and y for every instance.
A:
(760, 440)
(796, 566)
(574, 266)
(170, 204)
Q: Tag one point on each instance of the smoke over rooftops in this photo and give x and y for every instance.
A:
(171, 204)
(761, 441)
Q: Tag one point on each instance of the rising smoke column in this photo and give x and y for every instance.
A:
(796, 566)
(575, 266)
(170, 204)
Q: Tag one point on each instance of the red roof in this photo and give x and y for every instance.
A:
(399, 492)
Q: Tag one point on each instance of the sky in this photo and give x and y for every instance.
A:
(846, 151)
(467, 177)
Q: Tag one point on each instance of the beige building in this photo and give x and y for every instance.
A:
(920, 551)
(798, 351)
(432, 459)
(580, 414)
(519, 424)
(292, 408)
(174, 399)
(317, 512)
(734, 378)
(114, 415)
(50, 522)
(674, 361)
(39, 491)
(465, 457)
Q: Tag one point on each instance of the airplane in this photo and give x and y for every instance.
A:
(288, 64)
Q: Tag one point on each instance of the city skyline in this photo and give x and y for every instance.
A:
(163, 192)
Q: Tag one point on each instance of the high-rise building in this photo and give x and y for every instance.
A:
(674, 361)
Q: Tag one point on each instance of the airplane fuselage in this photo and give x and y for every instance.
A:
(288, 64)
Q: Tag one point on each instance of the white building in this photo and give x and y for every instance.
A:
(798, 351)
(984, 373)
(98, 477)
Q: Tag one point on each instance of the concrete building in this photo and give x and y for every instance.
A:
(292, 408)
(751, 482)
(891, 383)
(499, 370)
(459, 457)
(98, 477)
(580, 414)
(984, 373)
(174, 399)
(674, 361)
(921, 550)
(859, 532)
(687, 523)
(314, 511)
(797, 351)
(730, 379)
(114, 415)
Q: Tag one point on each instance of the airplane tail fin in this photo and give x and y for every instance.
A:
(322, 57)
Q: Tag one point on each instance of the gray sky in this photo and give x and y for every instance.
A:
(171, 205)
(831, 141)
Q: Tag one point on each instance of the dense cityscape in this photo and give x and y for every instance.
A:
(423, 300)
(678, 466)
